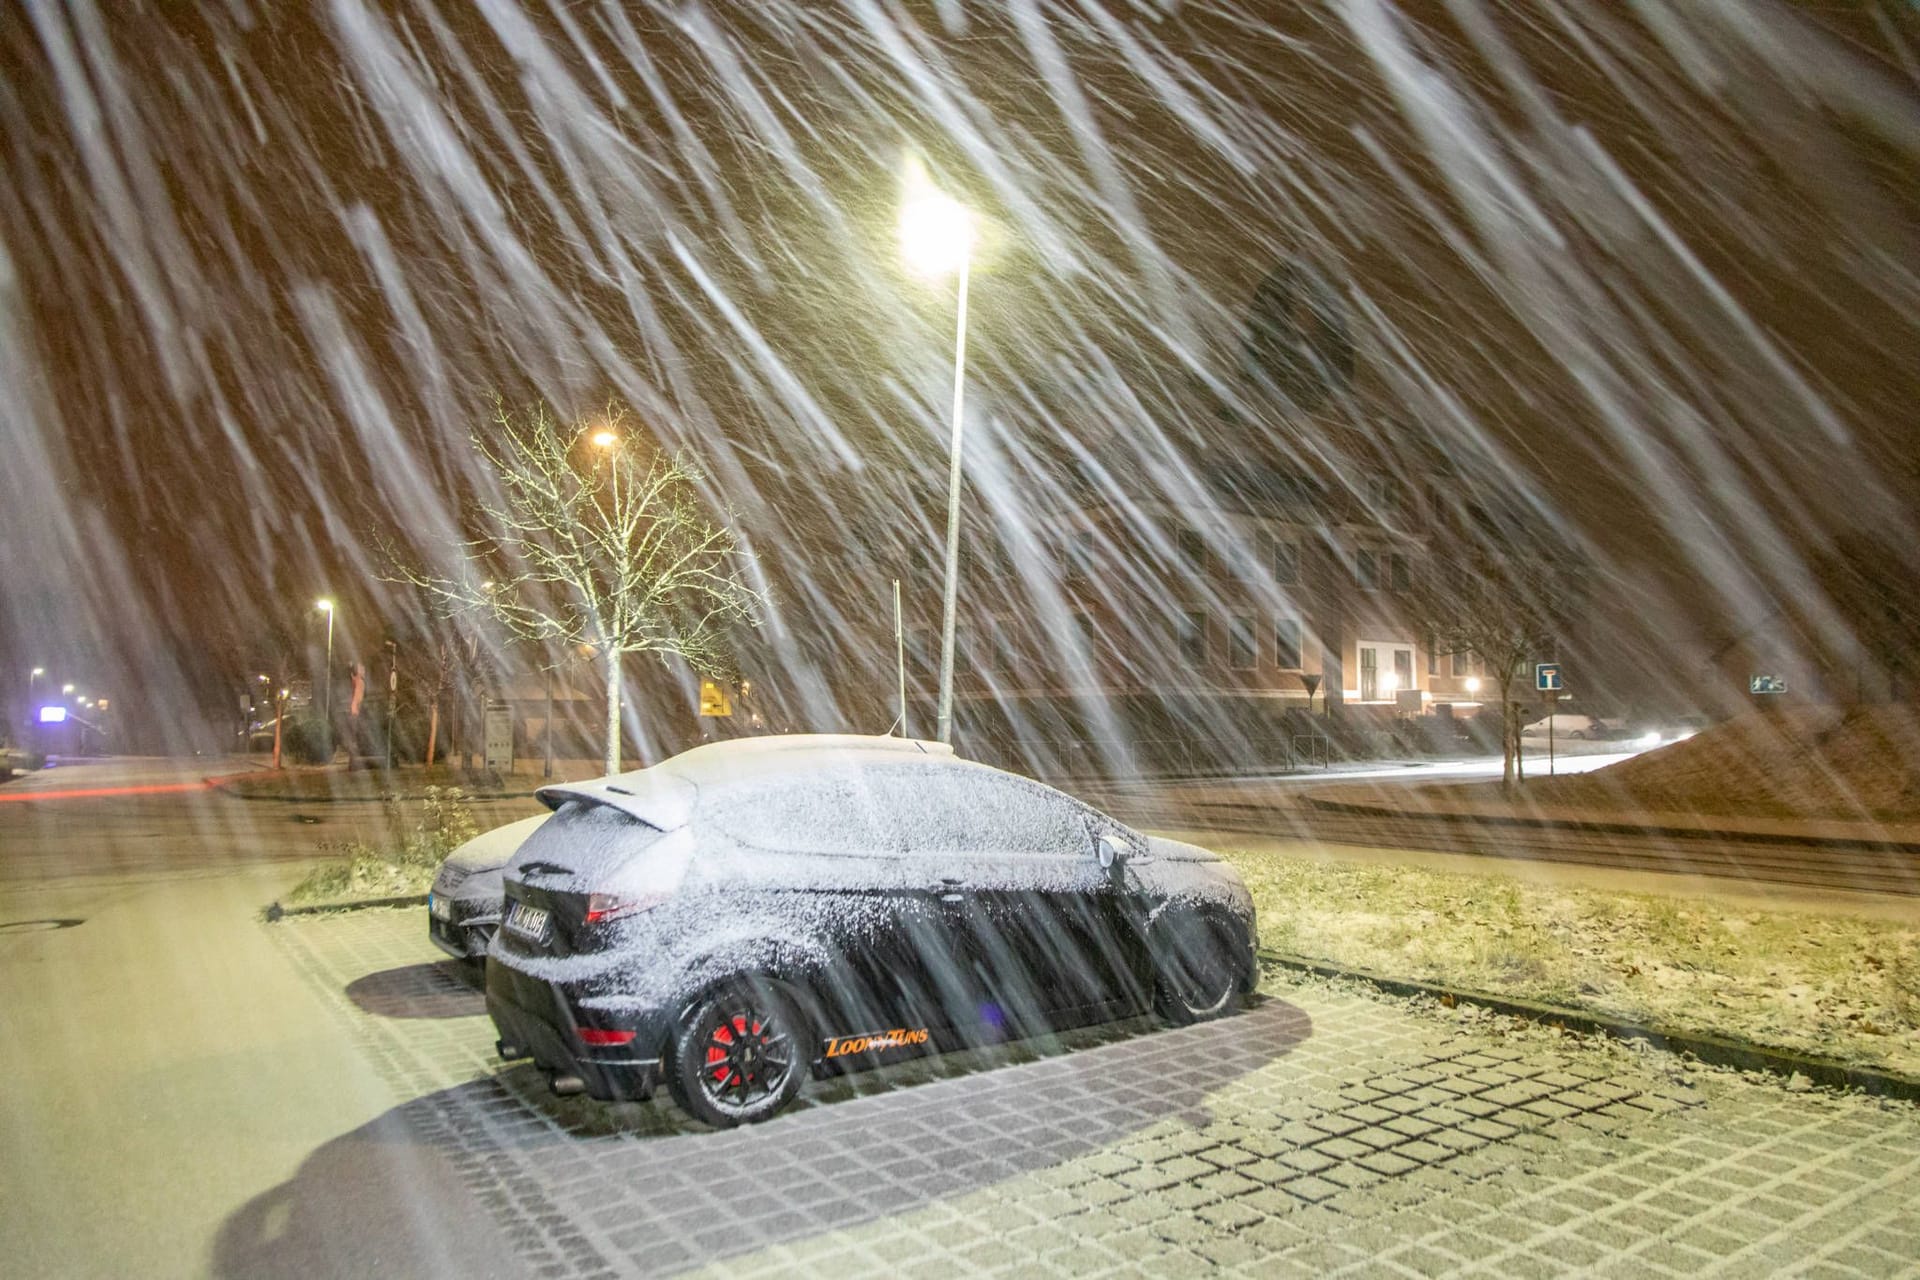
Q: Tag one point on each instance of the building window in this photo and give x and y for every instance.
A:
(1079, 553)
(1190, 636)
(1402, 574)
(1460, 665)
(1286, 644)
(1241, 654)
(1433, 655)
(1286, 562)
(1193, 549)
(1366, 568)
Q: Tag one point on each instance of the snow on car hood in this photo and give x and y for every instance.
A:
(490, 849)
(1179, 851)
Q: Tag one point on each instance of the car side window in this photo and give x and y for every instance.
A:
(947, 810)
(834, 813)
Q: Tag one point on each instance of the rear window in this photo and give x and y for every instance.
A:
(584, 836)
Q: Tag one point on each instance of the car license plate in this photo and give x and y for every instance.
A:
(528, 922)
(440, 907)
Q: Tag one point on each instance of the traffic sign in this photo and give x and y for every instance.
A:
(714, 700)
(1547, 678)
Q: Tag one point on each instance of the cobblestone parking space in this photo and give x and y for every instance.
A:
(1325, 1131)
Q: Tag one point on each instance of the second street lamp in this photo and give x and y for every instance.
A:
(936, 238)
(326, 606)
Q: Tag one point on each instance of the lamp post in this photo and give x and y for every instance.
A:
(936, 239)
(607, 441)
(326, 606)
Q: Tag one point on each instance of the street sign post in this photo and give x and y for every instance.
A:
(499, 729)
(1547, 678)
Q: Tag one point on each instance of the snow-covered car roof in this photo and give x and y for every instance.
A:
(664, 795)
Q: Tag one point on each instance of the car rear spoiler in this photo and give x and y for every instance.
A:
(661, 800)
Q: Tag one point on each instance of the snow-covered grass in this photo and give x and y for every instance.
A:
(358, 871)
(1825, 983)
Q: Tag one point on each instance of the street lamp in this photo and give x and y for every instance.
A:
(936, 239)
(1473, 684)
(326, 606)
(604, 439)
(66, 688)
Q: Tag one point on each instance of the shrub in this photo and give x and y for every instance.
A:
(307, 740)
(357, 869)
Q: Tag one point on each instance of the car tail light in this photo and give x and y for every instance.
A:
(602, 907)
(595, 1036)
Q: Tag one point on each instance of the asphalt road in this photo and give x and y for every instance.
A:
(165, 1066)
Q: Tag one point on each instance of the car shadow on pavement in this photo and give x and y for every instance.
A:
(567, 1183)
(443, 989)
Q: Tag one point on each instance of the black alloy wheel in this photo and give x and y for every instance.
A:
(739, 1056)
(1198, 968)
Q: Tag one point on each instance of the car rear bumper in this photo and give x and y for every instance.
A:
(465, 934)
(538, 1020)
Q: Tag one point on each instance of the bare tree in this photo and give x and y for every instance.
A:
(1504, 605)
(595, 539)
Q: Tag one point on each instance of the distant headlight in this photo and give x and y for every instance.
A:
(1684, 734)
(1649, 739)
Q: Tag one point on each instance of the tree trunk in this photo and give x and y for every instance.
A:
(279, 713)
(433, 729)
(613, 712)
(1509, 742)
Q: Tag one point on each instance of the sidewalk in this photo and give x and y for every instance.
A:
(1481, 803)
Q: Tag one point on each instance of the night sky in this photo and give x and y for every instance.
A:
(1654, 276)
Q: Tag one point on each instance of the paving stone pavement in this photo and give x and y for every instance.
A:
(1326, 1131)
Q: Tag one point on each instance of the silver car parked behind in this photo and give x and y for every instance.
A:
(463, 909)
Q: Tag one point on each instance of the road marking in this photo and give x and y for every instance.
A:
(92, 793)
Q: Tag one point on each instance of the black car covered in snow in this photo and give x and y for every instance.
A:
(754, 911)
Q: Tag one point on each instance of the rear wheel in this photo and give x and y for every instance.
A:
(1199, 968)
(740, 1055)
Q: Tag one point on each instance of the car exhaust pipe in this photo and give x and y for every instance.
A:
(567, 1086)
(508, 1052)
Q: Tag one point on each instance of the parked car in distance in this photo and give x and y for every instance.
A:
(463, 908)
(757, 910)
(1578, 728)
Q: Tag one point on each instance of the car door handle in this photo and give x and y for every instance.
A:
(950, 880)
(953, 897)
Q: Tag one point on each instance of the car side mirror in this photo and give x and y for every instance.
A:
(1112, 851)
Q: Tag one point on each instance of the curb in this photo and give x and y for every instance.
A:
(220, 784)
(275, 911)
(1714, 1050)
(1613, 828)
